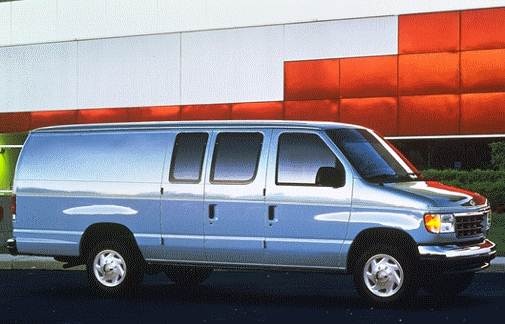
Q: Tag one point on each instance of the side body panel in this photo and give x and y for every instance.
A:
(67, 181)
(310, 223)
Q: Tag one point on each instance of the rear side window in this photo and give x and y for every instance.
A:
(236, 157)
(299, 158)
(187, 157)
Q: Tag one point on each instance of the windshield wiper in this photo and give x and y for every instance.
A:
(389, 178)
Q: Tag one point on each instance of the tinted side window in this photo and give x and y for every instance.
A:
(187, 157)
(236, 157)
(299, 158)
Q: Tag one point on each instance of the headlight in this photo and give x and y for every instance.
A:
(439, 223)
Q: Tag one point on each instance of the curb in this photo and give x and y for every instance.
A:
(23, 262)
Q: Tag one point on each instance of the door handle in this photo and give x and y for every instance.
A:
(212, 211)
(271, 214)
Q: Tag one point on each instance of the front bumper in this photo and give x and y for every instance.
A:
(454, 258)
(12, 246)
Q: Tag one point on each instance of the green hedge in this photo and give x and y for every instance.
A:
(489, 183)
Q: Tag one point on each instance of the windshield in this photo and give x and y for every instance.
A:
(372, 157)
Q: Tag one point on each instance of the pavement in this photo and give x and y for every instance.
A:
(23, 262)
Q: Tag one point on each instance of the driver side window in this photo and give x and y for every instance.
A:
(302, 158)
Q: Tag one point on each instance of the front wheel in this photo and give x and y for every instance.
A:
(113, 268)
(384, 275)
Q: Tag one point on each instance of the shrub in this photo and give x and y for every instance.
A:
(489, 183)
(498, 155)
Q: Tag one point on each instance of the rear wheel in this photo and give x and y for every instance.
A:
(450, 285)
(384, 275)
(114, 268)
(188, 276)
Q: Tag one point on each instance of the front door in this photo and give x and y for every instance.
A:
(235, 211)
(307, 221)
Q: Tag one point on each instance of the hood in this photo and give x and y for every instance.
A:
(440, 194)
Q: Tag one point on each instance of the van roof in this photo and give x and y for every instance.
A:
(195, 124)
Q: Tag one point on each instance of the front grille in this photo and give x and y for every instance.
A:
(469, 225)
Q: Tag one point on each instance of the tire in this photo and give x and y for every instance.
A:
(385, 275)
(114, 268)
(449, 286)
(188, 276)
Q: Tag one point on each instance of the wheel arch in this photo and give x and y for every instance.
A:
(380, 235)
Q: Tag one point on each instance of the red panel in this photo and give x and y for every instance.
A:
(375, 113)
(483, 71)
(428, 115)
(319, 110)
(374, 76)
(49, 118)
(205, 112)
(160, 113)
(432, 32)
(315, 79)
(430, 73)
(483, 113)
(257, 110)
(481, 29)
(14, 122)
(103, 115)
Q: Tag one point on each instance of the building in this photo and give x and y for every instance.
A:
(430, 75)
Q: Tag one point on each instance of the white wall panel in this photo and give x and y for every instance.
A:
(127, 19)
(5, 23)
(177, 15)
(232, 65)
(43, 76)
(5, 63)
(131, 71)
(34, 21)
(342, 38)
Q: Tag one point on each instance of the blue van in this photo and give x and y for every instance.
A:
(189, 197)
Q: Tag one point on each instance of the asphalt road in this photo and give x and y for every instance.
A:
(63, 296)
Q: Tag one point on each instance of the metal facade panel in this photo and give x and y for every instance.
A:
(342, 38)
(433, 32)
(483, 71)
(5, 23)
(34, 21)
(205, 112)
(318, 110)
(234, 65)
(483, 29)
(373, 76)
(257, 110)
(428, 115)
(376, 113)
(132, 71)
(43, 76)
(312, 79)
(5, 63)
(483, 113)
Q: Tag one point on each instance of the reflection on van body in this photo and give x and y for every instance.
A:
(189, 197)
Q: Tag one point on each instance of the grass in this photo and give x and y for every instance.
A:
(497, 233)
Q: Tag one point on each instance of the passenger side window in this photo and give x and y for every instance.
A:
(236, 157)
(304, 158)
(187, 157)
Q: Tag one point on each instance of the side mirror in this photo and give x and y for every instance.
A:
(330, 177)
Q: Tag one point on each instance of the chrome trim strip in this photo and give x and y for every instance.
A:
(454, 251)
(266, 265)
(30, 231)
(252, 238)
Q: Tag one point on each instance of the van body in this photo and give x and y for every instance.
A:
(189, 197)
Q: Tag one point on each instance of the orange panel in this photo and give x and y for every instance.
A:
(481, 29)
(321, 110)
(432, 32)
(430, 73)
(205, 112)
(315, 79)
(428, 115)
(374, 76)
(483, 113)
(103, 115)
(14, 122)
(49, 118)
(257, 110)
(159, 113)
(375, 113)
(483, 71)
